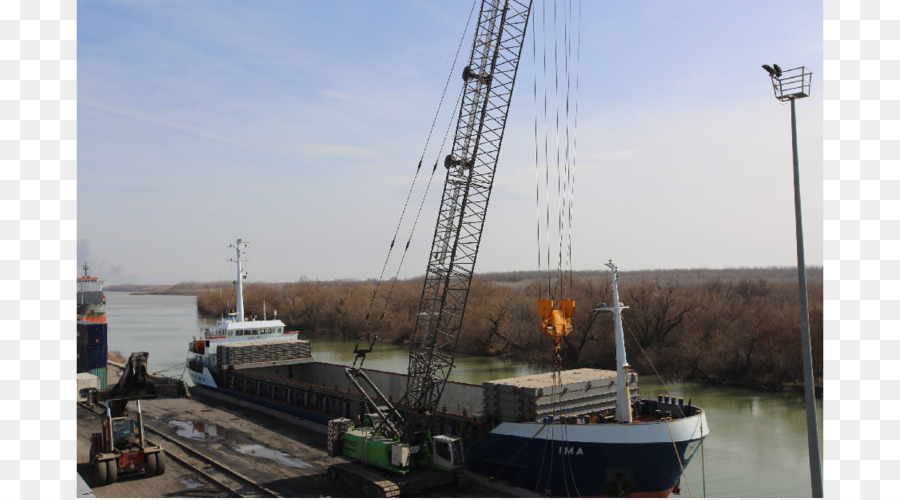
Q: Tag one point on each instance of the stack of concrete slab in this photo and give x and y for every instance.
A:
(572, 392)
(242, 355)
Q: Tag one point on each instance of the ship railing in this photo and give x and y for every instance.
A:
(671, 409)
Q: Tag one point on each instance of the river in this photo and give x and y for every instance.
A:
(757, 445)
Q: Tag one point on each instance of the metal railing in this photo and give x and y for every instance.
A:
(792, 83)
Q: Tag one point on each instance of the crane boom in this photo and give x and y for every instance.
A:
(489, 80)
(398, 438)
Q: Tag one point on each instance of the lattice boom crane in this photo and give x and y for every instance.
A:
(489, 79)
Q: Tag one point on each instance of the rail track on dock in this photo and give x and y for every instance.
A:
(225, 478)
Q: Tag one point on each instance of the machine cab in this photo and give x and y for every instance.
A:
(448, 452)
(124, 432)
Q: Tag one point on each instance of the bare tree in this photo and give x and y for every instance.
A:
(656, 310)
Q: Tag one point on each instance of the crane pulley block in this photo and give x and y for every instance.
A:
(482, 77)
(451, 161)
(557, 323)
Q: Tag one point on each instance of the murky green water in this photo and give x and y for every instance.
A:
(757, 445)
(395, 358)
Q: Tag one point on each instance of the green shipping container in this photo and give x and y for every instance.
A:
(101, 374)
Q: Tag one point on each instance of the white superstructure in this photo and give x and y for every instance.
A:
(234, 328)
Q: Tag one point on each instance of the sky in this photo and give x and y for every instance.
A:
(298, 125)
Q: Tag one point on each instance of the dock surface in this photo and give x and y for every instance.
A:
(220, 446)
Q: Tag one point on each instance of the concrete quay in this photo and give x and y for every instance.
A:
(230, 444)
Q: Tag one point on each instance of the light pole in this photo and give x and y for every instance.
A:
(790, 85)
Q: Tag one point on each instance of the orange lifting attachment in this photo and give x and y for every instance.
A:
(557, 323)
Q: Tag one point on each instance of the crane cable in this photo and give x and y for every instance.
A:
(571, 171)
(678, 456)
(412, 186)
(565, 153)
(565, 166)
(559, 191)
(565, 210)
(566, 47)
(666, 387)
(565, 178)
(415, 223)
(571, 198)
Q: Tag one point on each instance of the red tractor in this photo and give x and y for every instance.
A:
(121, 446)
(121, 449)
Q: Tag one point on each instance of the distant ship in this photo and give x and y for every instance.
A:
(90, 299)
(231, 330)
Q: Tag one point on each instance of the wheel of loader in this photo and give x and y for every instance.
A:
(99, 473)
(160, 463)
(112, 471)
(151, 464)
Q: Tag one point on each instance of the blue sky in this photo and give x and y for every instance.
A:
(297, 125)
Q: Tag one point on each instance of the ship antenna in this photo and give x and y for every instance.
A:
(623, 393)
(240, 276)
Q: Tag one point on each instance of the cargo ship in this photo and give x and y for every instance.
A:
(581, 432)
(90, 300)
(234, 329)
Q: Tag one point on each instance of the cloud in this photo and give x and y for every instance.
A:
(144, 117)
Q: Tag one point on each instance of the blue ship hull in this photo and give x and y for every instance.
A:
(610, 459)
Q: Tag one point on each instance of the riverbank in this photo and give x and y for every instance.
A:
(733, 327)
(757, 446)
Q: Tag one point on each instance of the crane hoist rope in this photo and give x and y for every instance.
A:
(556, 322)
(412, 187)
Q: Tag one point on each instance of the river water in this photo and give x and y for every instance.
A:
(757, 445)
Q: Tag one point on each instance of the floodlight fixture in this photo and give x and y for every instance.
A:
(789, 84)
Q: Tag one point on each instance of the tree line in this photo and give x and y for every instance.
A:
(730, 328)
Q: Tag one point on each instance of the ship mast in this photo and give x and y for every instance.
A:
(623, 392)
(239, 284)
